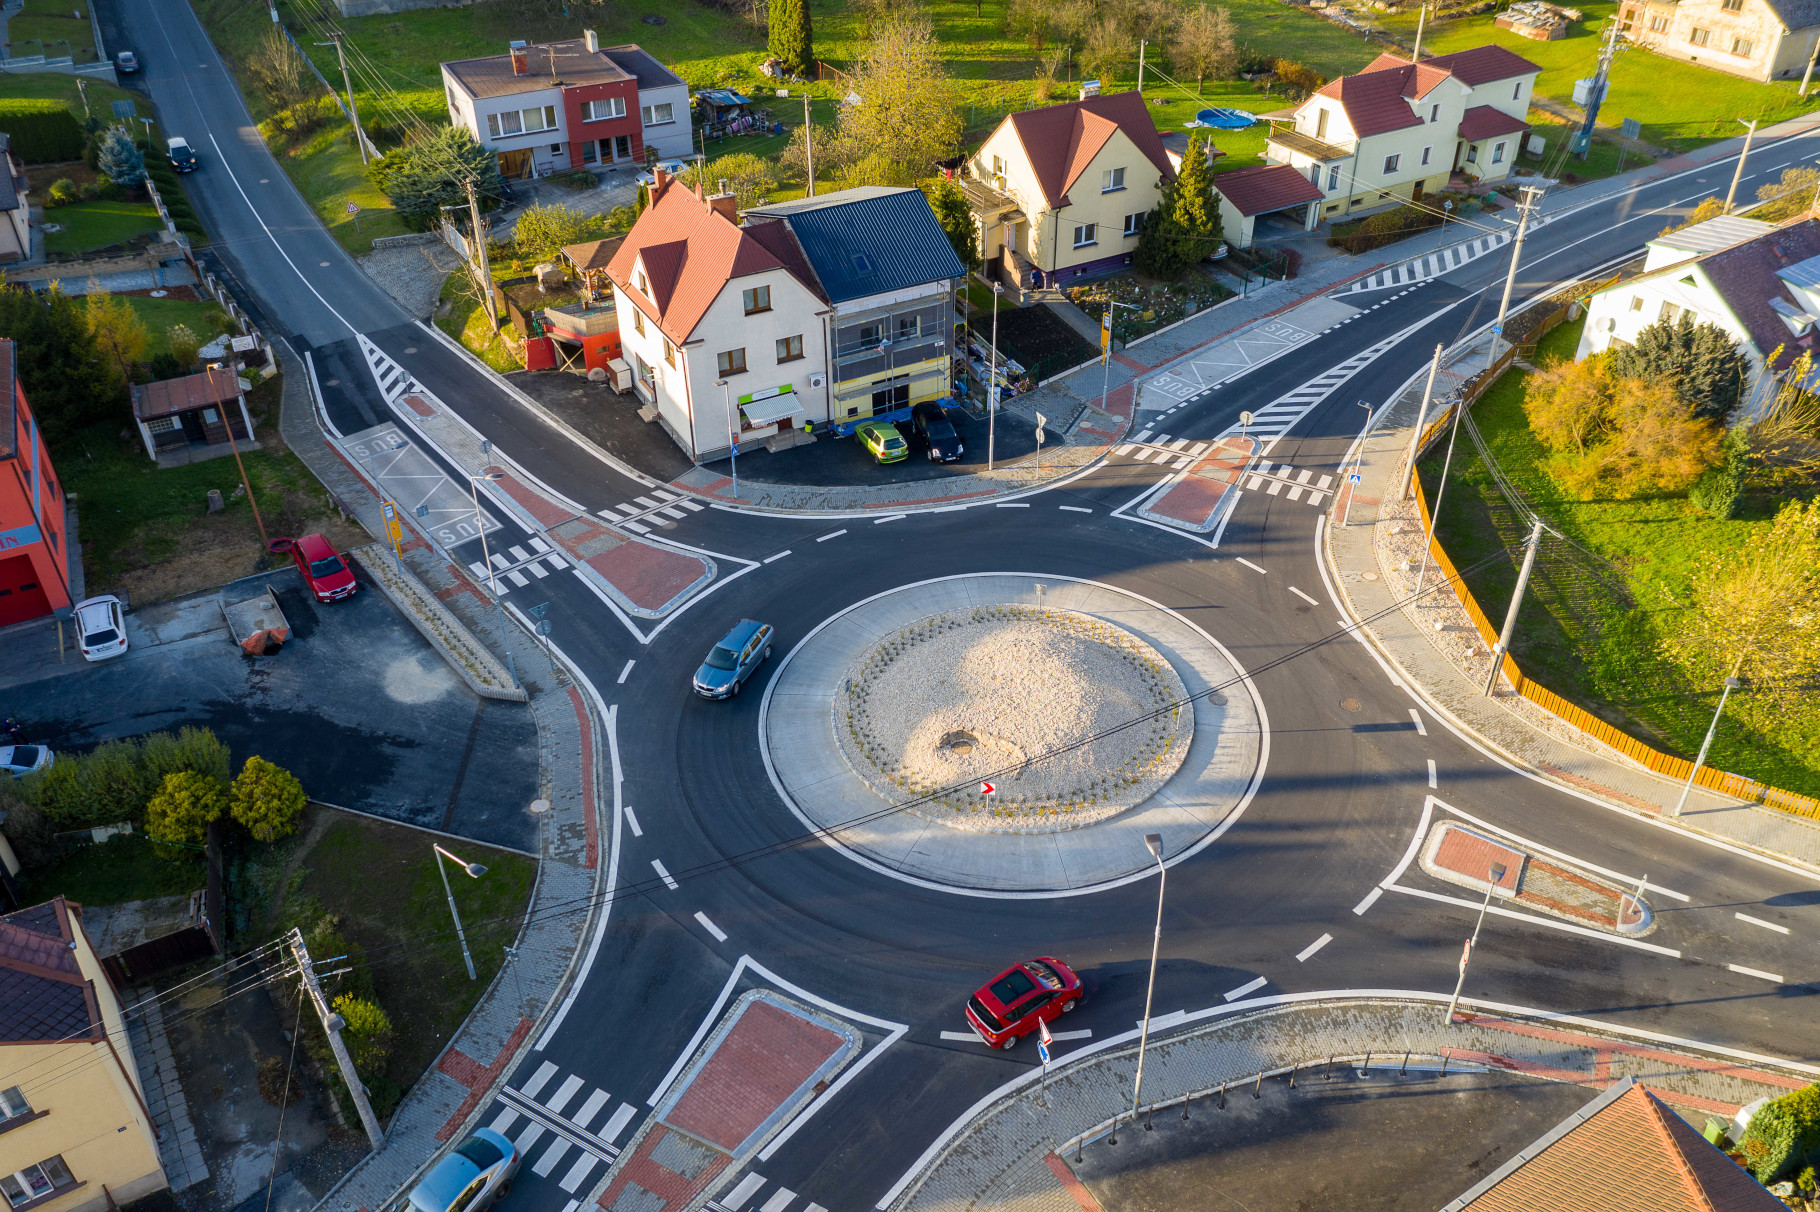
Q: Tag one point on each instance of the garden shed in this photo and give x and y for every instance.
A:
(189, 419)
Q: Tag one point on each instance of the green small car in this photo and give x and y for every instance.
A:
(883, 440)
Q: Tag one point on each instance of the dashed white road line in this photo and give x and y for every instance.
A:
(1247, 563)
(780, 555)
(1757, 921)
(1757, 972)
(1084, 1033)
(663, 873)
(1075, 508)
(960, 1035)
(632, 821)
(896, 517)
(833, 534)
(1371, 898)
(1247, 987)
(626, 672)
(720, 936)
(1303, 596)
(1421, 729)
(1301, 957)
(1431, 774)
(1014, 505)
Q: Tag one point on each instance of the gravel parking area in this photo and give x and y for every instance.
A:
(412, 275)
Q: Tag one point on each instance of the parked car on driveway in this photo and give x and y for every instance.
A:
(675, 168)
(101, 627)
(181, 157)
(472, 1177)
(20, 760)
(326, 573)
(1011, 1004)
(932, 425)
(126, 62)
(882, 441)
(732, 661)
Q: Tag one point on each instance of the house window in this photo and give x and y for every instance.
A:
(871, 336)
(1516, 93)
(644, 284)
(36, 1182)
(600, 111)
(1472, 154)
(590, 151)
(1497, 152)
(1742, 47)
(1085, 234)
(1333, 178)
(1700, 37)
(556, 149)
(1636, 302)
(1434, 112)
(521, 121)
(733, 362)
(1732, 6)
(1111, 179)
(669, 354)
(161, 425)
(1320, 123)
(12, 1099)
(1658, 25)
(757, 299)
(1132, 222)
(1391, 163)
(1670, 313)
(998, 166)
(658, 115)
(1426, 153)
(909, 328)
(638, 321)
(789, 349)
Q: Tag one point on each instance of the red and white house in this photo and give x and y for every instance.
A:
(34, 540)
(555, 106)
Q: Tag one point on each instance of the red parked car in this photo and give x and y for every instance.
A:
(1011, 1004)
(327, 574)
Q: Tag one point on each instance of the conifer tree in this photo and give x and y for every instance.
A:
(1185, 226)
(791, 38)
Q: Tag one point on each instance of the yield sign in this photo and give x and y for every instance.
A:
(987, 788)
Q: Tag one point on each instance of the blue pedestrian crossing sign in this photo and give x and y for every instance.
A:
(1043, 1040)
(1042, 1050)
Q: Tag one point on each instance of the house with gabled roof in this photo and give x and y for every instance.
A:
(1758, 282)
(1624, 1150)
(1398, 130)
(76, 1134)
(1756, 39)
(1059, 193)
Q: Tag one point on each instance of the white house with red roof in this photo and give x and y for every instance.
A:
(1059, 193)
(1398, 130)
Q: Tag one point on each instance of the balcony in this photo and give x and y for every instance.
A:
(1292, 140)
(577, 320)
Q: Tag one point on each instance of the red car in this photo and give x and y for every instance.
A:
(328, 574)
(1011, 1004)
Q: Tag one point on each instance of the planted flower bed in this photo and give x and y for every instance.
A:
(1158, 304)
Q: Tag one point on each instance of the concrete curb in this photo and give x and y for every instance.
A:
(467, 656)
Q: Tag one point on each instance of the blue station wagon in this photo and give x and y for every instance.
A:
(732, 661)
(469, 1179)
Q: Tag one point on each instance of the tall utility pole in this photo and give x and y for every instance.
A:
(1598, 91)
(1516, 599)
(1141, 45)
(360, 139)
(1421, 18)
(1750, 132)
(1807, 77)
(332, 1024)
(483, 268)
(809, 142)
(1415, 445)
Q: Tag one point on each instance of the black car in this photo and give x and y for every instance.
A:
(181, 157)
(931, 424)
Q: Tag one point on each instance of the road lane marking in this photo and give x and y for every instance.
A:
(1371, 898)
(626, 672)
(1303, 596)
(632, 821)
(780, 555)
(780, 1199)
(832, 535)
(1247, 563)
(1301, 957)
(1085, 1033)
(719, 934)
(896, 517)
(1431, 774)
(1075, 508)
(1768, 976)
(961, 1035)
(1415, 715)
(664, 874)
(1247, 987)
(1757, 921)
(748, 1187)
(1014, 505)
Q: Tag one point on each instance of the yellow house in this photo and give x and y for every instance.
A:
(75, 1133)
(1058, 193)
(1400, 130)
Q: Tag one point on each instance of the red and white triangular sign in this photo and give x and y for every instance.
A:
(1043, 1027)
(987, 788)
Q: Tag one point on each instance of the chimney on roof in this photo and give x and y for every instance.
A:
(521, 62)
(660, 180)
(591, 40)
(726, 205)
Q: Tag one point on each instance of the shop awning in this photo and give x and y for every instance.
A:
(770, 405)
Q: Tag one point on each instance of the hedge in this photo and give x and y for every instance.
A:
(1781, 1133)
(43, 131)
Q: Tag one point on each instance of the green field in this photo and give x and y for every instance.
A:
(89, 226)
(203, 318)
(1588, 626)
(55, 86)
(52, 28)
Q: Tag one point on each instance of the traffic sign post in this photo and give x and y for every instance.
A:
(735, 461)
(1041, 421)
(1043, 1040)
(987, 789)
(396, 532)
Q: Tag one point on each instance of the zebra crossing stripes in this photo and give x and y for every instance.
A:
(744, 1194)
(575, 1149)
(510, 566)
(394, 381)
(1174, 453)
(1434, 264)
(1273, 481)
(660, 503)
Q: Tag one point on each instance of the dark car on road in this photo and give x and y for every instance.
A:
(126, 62)
(932, 425)
(1011, 1004)
(178, 151)
(733, 660)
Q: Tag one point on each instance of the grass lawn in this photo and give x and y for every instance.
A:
(89, 226)
(55, 86)
(118, 870)
(52, 28)
(466, 321)
(1587, 629)
(205, 319)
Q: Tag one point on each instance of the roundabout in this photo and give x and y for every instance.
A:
(1094, 715)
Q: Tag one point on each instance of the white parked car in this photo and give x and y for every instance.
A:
(101, 627)
(675, 168)
(19, 760)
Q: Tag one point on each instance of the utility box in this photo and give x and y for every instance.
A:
(1583, 91)
(619, 374)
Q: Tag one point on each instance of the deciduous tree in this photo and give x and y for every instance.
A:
(69, 380)
(120, 335)
(1204, 45)
(906, 118)
(267, 800)
(952, 212)
(1105, 51)
(1031, 21)
(543, 231)
(1569, 404)
(1793, 194)
(178, 816)
(748, 178)
(1711, 208)
(368, 1033)
(278, 72)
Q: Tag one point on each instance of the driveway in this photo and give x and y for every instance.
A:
(357, 705)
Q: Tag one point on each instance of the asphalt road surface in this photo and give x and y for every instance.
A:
(1344, 793)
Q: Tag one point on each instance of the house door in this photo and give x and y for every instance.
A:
(515, 163)
(21, 597)
(1415, 194)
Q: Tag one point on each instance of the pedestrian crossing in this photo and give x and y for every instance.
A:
(1434, 264)
(1294, 484)
(556, 1141)
(744, 1197)
(394, 381)
(660, 503)
(518, 565)
(1163, 451)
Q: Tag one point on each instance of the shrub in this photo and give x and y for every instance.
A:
(42, 131)
(193, 749)
(368, 1033)
(184, 344)
(1781, 1133)
(267, 800)
(99, 191)
(62, 192)
(1720, 489)
(119, 160)
(178, 817)
(100, 788)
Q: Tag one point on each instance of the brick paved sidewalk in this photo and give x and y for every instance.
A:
(570, 872)
(998, 1156)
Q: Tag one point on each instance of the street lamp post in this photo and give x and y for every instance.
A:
(1493, 874)
(475, 871)
(1154, 843)
(1731, 683)
(1358, 468)
(726, 394)
(998, 288)
(481, 526)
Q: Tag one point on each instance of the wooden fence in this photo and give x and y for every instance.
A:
(1734, 785)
